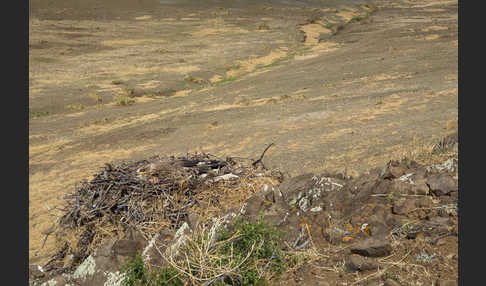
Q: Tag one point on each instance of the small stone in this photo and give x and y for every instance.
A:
(391, 282)
(35, 272)
(372, 247)
(359, 263)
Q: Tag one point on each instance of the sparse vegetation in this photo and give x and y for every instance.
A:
(193, 79)
(40, 59)
(76, 106)
(263, 26)
(129, 91)
(276, 62)
(424, 153)
(390, 275)
(136, 274)
(226, 79)
(356, 19)
(403, 230)
(425, 258)
(116, 82)
(247, 253)
(96, 97)
(161, 51)
(150, 95)
(37, 114)
(101, 121)
(123, 100)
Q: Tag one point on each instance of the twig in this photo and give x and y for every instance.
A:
(435, 240)
(259, 160)
(302, 245)
(398, 195)
(47, 233)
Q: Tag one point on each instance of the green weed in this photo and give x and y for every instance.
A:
(37, 114)
(76, 106)
(137, 275)
(246, 253)
(129, 91)
(123, 100)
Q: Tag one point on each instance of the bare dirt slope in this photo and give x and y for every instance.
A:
(335, 84)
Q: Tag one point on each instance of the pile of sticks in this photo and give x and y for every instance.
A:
(141, 192)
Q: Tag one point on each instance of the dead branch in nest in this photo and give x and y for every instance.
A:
(259, 160)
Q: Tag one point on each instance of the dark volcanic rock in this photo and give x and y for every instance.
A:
(393, 170)
(295, 185)
(404, 206)
(372, 247)
(433, 227)
(253, 205)
(442, 184)
(378, 230)
(130, 245)
(359, 263)
(420, 187)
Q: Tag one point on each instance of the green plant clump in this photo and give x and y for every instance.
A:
(247, 253)
(264, 261)
(136, 274)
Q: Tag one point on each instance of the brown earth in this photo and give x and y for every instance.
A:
(229, 78)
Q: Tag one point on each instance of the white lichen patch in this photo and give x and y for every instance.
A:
(114, 279)
(181, 230)
(86, 268)
(145, 251)
(407, 178)
(449, 165)
(243, 209)
(315, 193)
(303, 203)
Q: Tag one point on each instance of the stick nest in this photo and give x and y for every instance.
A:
(151, 195)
